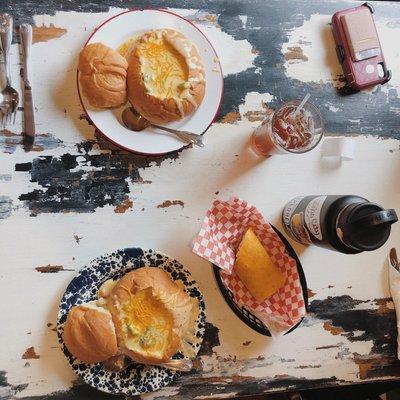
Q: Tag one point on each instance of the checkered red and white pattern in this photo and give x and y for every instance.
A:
(221, 232)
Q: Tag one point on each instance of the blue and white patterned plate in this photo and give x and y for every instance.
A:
(137, 378)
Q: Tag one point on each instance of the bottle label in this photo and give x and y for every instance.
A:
(289, 209)
(312, 216)
(294, 221)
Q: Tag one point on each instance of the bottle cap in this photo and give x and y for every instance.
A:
(367, 226)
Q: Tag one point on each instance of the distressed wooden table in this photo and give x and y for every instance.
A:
(75, 197)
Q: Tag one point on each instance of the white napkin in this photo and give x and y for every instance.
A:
(339, 147)
(394, 285)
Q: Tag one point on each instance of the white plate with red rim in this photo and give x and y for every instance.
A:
(116, 31)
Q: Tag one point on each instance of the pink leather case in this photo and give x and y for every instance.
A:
(363, 73)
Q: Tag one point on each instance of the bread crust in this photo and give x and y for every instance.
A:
(102, 75)
(89, 334)
(161, 110)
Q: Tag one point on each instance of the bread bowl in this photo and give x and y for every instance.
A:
(166, 77)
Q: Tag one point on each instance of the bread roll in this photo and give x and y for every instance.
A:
(89, 333)
(166, 78)
(256, 269)
(102, 75)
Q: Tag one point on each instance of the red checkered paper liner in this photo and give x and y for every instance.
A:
(223, 228)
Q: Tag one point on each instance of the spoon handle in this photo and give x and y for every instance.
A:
(178, 365)
(188, 137)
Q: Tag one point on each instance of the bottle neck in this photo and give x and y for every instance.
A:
(339, 223)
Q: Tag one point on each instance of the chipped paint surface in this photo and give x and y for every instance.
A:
(81, 183)
(10, 141)
(318, 60)
(295, 53)
(30, 354)
(51, 269)
(5, 206)
(124, 206)
(310, 293)
(231, 117)
(44, 33)
(169, 203)
(77, 196)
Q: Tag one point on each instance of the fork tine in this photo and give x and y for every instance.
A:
(15, 115)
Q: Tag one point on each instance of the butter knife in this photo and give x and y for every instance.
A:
(394, 261)
(25, 31)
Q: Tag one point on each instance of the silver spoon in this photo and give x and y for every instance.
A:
(120, 362)
(136, 122)
(9, 96)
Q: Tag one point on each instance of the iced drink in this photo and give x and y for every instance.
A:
(288, 131)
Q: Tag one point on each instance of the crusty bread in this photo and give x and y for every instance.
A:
(166, 77)
(89, 333)
(102, 75)
(256, 269)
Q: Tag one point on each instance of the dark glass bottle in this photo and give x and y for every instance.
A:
(349, 224)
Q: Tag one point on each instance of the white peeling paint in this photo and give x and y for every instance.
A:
(254, 102)
(333, 108)
(235, 55)
(316, 40)
(243, 18)
(389, 34)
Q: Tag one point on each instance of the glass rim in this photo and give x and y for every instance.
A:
(317, 112)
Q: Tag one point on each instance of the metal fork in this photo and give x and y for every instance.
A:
(9, 96)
